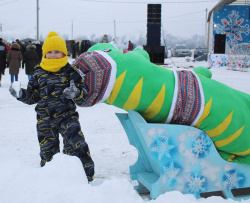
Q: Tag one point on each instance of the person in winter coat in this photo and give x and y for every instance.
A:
(22, 46)
(39, 51)
(14, 58)
(57, 87)
(7, 45)
(3, 53)
(130, 46)
(105, 39)
(30, 60)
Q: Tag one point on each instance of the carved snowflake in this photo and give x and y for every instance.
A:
(162, 147)
(171, 175)
(232, 180)
(201, 146)
(196, 184)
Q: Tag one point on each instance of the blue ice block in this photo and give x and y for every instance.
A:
(181, 158)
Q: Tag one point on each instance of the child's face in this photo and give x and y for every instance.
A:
(55, 54)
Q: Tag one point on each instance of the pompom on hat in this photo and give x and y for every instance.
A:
(54, 42)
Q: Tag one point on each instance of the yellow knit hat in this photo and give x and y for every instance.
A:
(54, 42)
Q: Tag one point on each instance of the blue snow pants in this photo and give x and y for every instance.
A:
(73, 140)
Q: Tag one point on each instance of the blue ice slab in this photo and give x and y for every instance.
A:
(182, 158)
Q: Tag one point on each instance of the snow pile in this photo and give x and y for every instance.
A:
(62, 180)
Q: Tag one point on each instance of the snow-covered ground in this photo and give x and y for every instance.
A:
(63, 179)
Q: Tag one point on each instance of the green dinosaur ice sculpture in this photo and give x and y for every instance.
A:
(182, 97)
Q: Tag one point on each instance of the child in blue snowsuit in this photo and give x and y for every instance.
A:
(57, 87)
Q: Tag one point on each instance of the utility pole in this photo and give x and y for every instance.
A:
(206, 28)
(1, 30)
(72, 28)
(114, 31)
(37, 19)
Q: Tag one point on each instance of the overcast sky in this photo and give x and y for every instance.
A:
(182, 18)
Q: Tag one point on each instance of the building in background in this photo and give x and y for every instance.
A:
(229, 34)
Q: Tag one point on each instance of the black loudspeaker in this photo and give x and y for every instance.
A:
(154, 34)
(154, 14)
(219, 43)
(85, 45)
(154, 25)
(156, 53)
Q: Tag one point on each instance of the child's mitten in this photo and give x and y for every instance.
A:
(72, 91)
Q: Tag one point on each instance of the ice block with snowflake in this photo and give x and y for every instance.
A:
(181, 158)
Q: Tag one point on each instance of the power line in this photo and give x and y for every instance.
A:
(8, 2)
(150, 2)
(89, 23)
(142, 21)
(183, 21)
(187, 14)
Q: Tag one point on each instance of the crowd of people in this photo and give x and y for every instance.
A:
(15, 55)
(27, 55)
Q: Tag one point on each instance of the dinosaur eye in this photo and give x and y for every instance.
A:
(106, 50)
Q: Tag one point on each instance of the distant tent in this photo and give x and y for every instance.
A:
(28, 39)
